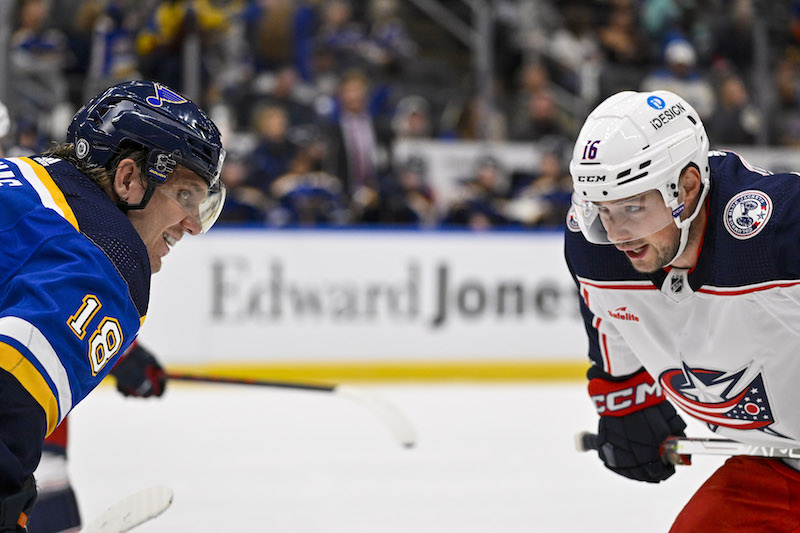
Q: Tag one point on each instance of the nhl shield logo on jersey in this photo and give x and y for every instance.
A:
(720, 398)
(676, 283)
(747, 213)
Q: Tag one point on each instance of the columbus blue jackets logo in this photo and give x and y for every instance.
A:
(164, 94)
(747, 213)
(720, 398)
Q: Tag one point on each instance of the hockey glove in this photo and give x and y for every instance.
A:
(139, 374)
(634, 421)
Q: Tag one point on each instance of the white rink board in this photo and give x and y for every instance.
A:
(261, 296)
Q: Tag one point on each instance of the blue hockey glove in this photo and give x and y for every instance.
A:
(634, 421)
(139, 374)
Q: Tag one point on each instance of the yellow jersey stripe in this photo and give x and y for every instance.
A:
(48, 191)
(17, 365)
(34, 340)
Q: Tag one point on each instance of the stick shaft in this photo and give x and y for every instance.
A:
(200, 378)
(674, 448)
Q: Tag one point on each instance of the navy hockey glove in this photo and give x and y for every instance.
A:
(139, 374)
(634, 421)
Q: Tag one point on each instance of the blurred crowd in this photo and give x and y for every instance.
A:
(312, 95)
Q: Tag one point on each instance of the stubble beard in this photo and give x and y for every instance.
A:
(663, 256)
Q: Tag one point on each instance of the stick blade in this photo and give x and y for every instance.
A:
(132, 511)
(392, 418)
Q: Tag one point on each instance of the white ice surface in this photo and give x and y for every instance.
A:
(489, 459)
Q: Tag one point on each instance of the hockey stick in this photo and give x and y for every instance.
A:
(132, 511)
(678, 450)
(397, 423)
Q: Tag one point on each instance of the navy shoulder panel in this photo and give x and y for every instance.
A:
(102, 222)
(754, 222)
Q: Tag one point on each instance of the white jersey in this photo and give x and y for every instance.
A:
(721, 339)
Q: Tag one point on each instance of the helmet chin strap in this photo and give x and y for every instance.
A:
(686, 224)
(684, 227)
(148, 194)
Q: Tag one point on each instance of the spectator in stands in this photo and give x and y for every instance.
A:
(273, 151)
(734, 36)
(412, 119)
(27, 139)
(387, 41)
(481, 201)
(243, 203)
(280, 33)
(38, 57)
(359, 142)
(625, 47)
(735, 120)
(283, 87)
(469, 121)
(341, 36)
(160, 42)
(307, 195)
(406, 198)
(541, 198)
(576, 53)
(532, 78)
(112, 57)
(680, 76)
(539, 121)
(786, 118)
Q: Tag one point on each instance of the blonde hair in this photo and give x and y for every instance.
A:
(102, 176)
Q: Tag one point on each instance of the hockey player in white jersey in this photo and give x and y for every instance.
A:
(688, 267)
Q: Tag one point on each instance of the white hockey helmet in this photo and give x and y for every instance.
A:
(631, 144)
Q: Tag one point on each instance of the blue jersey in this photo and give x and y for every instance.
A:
(74, 282)
(721, 339)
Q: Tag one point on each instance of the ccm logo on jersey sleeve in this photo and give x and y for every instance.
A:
(619, 399)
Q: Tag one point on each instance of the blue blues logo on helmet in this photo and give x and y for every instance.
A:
(149, 115)
(164, 94)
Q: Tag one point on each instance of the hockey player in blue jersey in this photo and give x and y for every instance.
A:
(688, 271)
(82, 228)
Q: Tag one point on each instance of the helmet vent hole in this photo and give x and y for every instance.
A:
(636, 177)
(645, 164)
(690, 117)
(623, 173)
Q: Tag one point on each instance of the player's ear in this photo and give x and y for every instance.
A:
(690, 184)
(128, 182)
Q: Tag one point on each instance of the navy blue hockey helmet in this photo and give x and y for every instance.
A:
(172, 129)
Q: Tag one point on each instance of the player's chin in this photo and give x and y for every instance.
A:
(155, 263)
